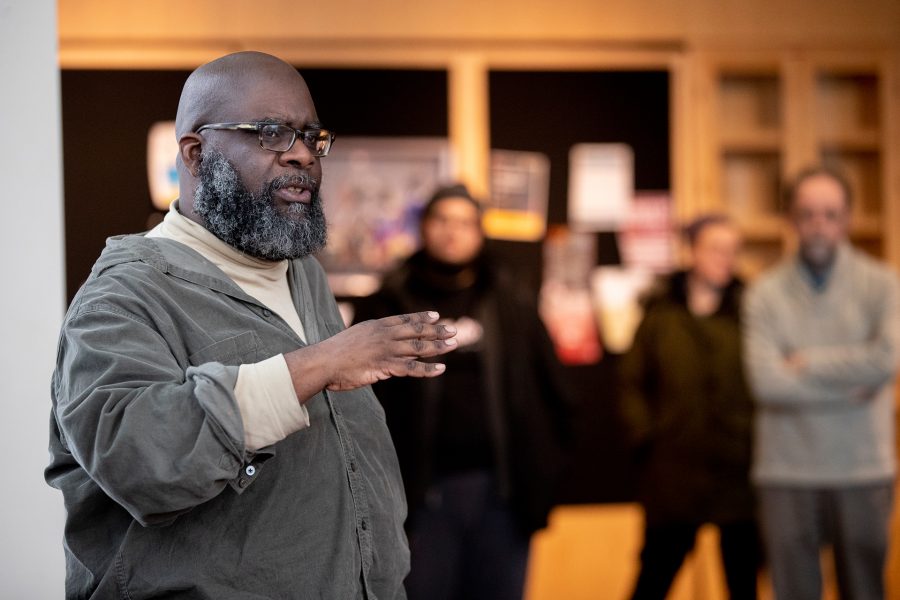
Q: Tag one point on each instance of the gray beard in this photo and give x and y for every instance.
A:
(818, 256)
(252, 223)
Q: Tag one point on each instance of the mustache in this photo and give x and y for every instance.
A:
(304, 180)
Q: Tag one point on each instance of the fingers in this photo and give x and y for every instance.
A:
(399, 343)
(414, 368)
(425, 317)
(419, 348)
(422, 326)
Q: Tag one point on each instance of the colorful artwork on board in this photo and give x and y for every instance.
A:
(517, 207)
(374, 190)
(566, 306)
(646, 239)
(162, 176)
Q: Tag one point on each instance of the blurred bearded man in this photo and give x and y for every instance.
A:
(821, 350)
(213, 431)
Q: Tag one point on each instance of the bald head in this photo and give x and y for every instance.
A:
(212, 90)
(240, 87)
(263, 202)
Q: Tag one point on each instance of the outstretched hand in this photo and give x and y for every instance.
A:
(372, 351)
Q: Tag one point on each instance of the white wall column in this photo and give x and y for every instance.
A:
(32, 298)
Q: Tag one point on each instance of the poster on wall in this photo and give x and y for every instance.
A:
(647, 238)
(162, 176)
(601, 186)
(566, 305)
(520, 186)
(647, 248)
(373, 191)
(617, 292)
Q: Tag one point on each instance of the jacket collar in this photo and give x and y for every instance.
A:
(673, 290)
(170, 257)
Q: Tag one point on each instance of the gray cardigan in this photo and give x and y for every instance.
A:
(147, 447)
(831, 424)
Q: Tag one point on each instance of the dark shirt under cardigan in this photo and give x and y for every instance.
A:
(147, 447)
(502, 405)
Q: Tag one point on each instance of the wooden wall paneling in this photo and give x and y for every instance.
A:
(685, 184)
(469, 126)
(890, 139)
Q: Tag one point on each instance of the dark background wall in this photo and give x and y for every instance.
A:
(549, 112)
(106, 116)
(105, 119)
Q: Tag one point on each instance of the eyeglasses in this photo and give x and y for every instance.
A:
(279, 137)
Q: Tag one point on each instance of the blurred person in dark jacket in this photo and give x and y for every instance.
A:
(481, 451)
(689, 413)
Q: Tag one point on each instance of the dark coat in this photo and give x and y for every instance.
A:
(528, 403)
(689, 410)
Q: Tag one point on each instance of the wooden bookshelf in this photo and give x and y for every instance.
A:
(764, 115)
(848, 118)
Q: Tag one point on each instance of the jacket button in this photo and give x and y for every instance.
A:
(353, 466)
(267, 313)
(242, 483)
(250, 470)
(364, 525)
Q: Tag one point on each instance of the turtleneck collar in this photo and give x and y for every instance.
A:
(442, 276)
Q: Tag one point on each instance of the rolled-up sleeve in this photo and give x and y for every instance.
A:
(269, 405)
(157, 437)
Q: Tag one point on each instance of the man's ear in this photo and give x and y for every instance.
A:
(189, 148)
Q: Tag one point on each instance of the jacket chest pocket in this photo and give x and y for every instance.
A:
(236, 350)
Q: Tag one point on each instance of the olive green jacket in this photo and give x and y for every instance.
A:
(146, 439)
(689, 410)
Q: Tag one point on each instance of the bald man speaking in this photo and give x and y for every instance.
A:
(213, 431)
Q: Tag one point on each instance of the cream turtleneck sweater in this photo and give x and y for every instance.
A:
(264, 391)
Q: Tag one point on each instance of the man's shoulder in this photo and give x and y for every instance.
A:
(123, 257)
(128, 269)
(154, 252)
(865, 265)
